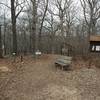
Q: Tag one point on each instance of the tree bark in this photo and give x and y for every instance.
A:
(0, 44)
(13, 17)
(34, 26)
(4, 36)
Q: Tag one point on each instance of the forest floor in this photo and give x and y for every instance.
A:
(38, 79)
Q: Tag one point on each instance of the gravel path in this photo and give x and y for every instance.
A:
(39, 80)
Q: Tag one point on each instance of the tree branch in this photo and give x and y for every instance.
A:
(19, 4)
(5, 5)
(19, 12)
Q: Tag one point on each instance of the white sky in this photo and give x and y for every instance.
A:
(7, 10)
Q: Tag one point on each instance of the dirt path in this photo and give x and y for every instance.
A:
(39, 80)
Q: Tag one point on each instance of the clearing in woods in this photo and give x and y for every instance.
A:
(39, 80)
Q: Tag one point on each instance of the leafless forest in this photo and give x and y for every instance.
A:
(45, 25)
(34, 34)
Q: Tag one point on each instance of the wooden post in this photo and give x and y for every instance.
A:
(21, 58)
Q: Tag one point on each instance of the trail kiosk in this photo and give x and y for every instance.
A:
(95, 43)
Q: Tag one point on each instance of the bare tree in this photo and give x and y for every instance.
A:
(14, 15)
(62, 11)
(0, 44)
(5, 29)
(52, 28)
(41, 26)
(70, 18)
(29, 15)
(34, 21)
(91, 10)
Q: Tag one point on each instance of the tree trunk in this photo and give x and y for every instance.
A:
(4, 42)
(33, 36)
(13, 17)
(25, 43)
(34, 26)
(4, 36)
(62, 29)
(41, 26)
(0, 44)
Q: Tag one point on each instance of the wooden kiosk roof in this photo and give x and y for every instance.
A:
(95, 38)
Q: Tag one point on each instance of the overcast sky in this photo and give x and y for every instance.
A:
(7, 10)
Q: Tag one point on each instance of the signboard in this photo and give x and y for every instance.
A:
(95, 43)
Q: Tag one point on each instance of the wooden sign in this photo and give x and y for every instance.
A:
(95, 43)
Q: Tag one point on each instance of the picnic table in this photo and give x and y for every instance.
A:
(63, 62)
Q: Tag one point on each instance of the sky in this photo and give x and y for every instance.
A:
(8, 13)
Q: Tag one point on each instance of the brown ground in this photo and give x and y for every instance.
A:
(39, 80)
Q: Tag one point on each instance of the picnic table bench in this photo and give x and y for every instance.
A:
(63, 62)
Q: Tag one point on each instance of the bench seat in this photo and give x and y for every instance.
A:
(63, 61)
